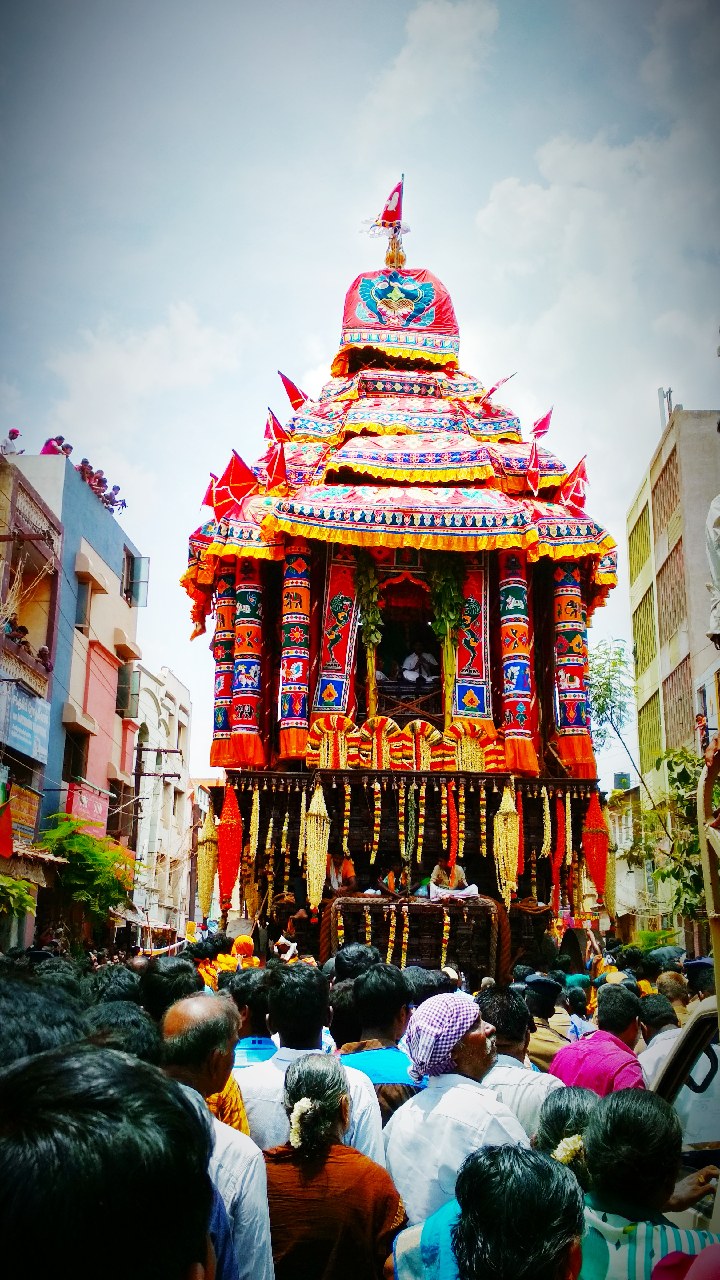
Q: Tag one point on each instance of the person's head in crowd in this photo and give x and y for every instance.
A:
(674, 986)
(114, 982)
(35, 1016)
(633, 1146)
(559, 976)
(453, 975)
(64, 974)
(421, 981)
(298, 1005)
(91, 1138)
(248, 988)
(220, 943)
(577, 1001)
(656, 1013)
(541, 994)
(329, 969)
(199, 1038)
(563, 1116)
(487, 983)
(121, 1024)
(345, 1024)
(508, 1013)
(630, 959)
(448, 1035)
(701, 978)
(521, 1216)
(138, 963)
(383, 997)
(167, 979)
(354, 959)
(618, 1011)
(317, 1103)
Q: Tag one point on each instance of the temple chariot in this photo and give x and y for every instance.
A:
(400, 589)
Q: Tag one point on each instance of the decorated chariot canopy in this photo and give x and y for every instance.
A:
(402, 581)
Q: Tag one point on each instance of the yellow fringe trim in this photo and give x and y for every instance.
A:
(339, 365)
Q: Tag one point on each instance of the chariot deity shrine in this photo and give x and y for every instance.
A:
(401, 588)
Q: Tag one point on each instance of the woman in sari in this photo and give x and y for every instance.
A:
(333, 1212)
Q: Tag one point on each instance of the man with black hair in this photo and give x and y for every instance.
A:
(249, 990)
(298, 1009)
(165, 980)
(354, 959)
(87, 1136)
(345, 1019)
(120, 1024)
(199, 1038)
(35, 1016)
(660, 1029)
(606, 1060)
(114, 982)
(517, 1214)
(383, 1002)
(521, 1089)
(546, 1041)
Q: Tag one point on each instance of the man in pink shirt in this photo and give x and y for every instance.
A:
(606, 1060)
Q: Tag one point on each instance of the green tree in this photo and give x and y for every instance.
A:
(98, 874)
(16, 897)
(680, 864)
(611, 689)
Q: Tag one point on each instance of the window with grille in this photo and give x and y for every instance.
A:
(666, 494)
(639, 543)
(650, 733)
(678, 706)
(672, 609)
(644, 638)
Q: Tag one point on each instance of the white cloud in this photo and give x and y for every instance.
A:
(445, 43)
(112, 375)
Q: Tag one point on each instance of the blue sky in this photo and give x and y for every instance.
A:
(182, 187)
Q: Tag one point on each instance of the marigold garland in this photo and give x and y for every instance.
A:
(411, 819)
(547, 826)
(505, 845)
(229, 847)
(452, 823)
(346, 822)
(207, 857)
(445, 937)
(377, 818)
(521, 833)
(285, 850)
(461, 820)
(568, 829)
(401, 819)
(444, 817)
(302, 841)
(559, 854)
(270, 861)
(340, 926)
(405, 936)
(254, 827)
(391, 937)
(421, 820)
(368, 925)
(317, 839)
(483, 822)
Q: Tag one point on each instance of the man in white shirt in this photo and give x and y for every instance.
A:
(199, 1046)
(512, 1081)
(420, 665)
(298, 1009)
(8, 447)
(429, 1137)
(660, 1029)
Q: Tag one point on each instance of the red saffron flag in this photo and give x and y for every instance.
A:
(274, 430)
(574, 490)
(296, 397)
(542, 426)
(497, 386)
(533, 470)
(391, 216)
(236, 481)
(209, 499)
(276, 469)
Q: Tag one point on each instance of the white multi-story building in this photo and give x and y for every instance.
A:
(163, 822)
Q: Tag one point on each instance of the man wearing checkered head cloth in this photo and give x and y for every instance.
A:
(429, 1137)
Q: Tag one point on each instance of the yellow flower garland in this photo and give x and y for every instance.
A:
(405, 936)
(444, 817)
(285, 848)
(346, 822)
(547, 826)
(270, 861)
(377, 818)
(254, 826)
(568, 829)
(445, 937)
(317, 839)
(506, 844)
(368, 925)
(483, 822)
(391, 937)
(421, 821)
(401, 819)
(461, 821)
(302, 841)
(340, 926)
(207, 863)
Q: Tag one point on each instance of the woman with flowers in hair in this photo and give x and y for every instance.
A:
(333, 1211)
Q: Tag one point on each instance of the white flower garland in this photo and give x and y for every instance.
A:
(301, 1108)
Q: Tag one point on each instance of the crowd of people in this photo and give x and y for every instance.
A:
(55, 445)
(171, 1117)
